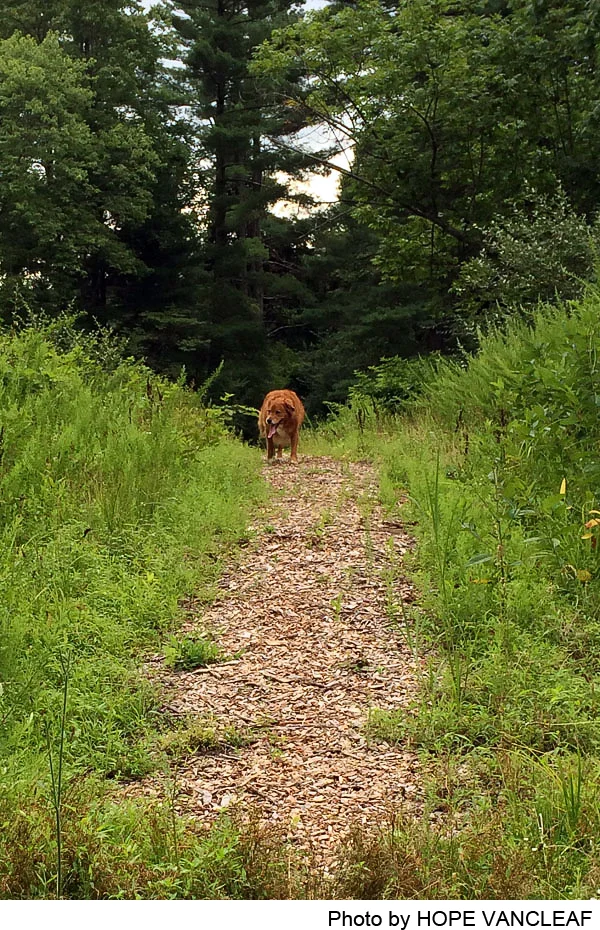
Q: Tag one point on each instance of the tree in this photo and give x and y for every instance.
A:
(129, 223)
(541, 249)
(352, 316)
(455, 112)
(241, 121)
(47, 158)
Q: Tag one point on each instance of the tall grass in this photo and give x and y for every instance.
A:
(497, 455)
(119, 494)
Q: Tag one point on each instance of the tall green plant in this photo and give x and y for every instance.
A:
(56, 770)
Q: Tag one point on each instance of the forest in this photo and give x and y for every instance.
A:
(145, 152)
(373, 674)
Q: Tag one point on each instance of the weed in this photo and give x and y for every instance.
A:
(336, 605)
(119, 494)
(316, 533)
(490, 829)
(56, 771)
(199, 735)
(408, 624)
(366, 505)
(189, 652)
(494, 458)
(386, 726)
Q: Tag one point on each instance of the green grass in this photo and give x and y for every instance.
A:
(119, 495)
(495, 826)
(139, 849)
(188, 652)
(192, 735)
(496, 456)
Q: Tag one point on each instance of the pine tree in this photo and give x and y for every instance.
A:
(240, 154)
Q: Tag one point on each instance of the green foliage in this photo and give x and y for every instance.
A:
(535, 386)
(142, 194)
(450, 141)
(394, 384)
(118, 494)
(242, 154)
(74, 181)
(47, 154)
(492, 462)
(352, 316)
(198, 735)
(96, 161)
(137, 850)
(502, 511)
(543, 249)
(522, 826)
(190, 652)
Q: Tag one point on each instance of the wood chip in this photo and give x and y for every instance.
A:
(308, 607)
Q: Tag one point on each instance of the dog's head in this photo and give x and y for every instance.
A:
(279, 409)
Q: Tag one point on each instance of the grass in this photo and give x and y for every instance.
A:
(198, 735)
(119, 495)
(139, 849)
(495, 826)
(188, 652)
(495, 457)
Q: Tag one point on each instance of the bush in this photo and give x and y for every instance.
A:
(190, 652)
(394, 384)
(493, 463)
(507, 497)
(543, 251)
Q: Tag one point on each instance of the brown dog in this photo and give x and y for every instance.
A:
(280, 419)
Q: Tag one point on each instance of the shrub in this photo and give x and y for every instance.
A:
(394, 384)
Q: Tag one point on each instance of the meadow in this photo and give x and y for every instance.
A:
(120, 496)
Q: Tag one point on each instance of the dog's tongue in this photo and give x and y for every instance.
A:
(272, 431)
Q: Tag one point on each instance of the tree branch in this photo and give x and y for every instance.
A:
(411, 209)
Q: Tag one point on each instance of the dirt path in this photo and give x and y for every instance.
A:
(313, 614)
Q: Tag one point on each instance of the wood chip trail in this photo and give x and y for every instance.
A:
(307, 612)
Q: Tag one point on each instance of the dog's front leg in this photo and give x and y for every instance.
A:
(294, 449)
(270, 448)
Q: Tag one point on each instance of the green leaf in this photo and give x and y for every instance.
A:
(479, 559)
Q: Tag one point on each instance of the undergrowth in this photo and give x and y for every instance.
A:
(132, 850)
(120, 494)
(496, 457)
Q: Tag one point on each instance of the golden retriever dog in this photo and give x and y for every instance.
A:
(279, 420)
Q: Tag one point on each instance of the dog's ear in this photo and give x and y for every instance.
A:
(289, 406)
